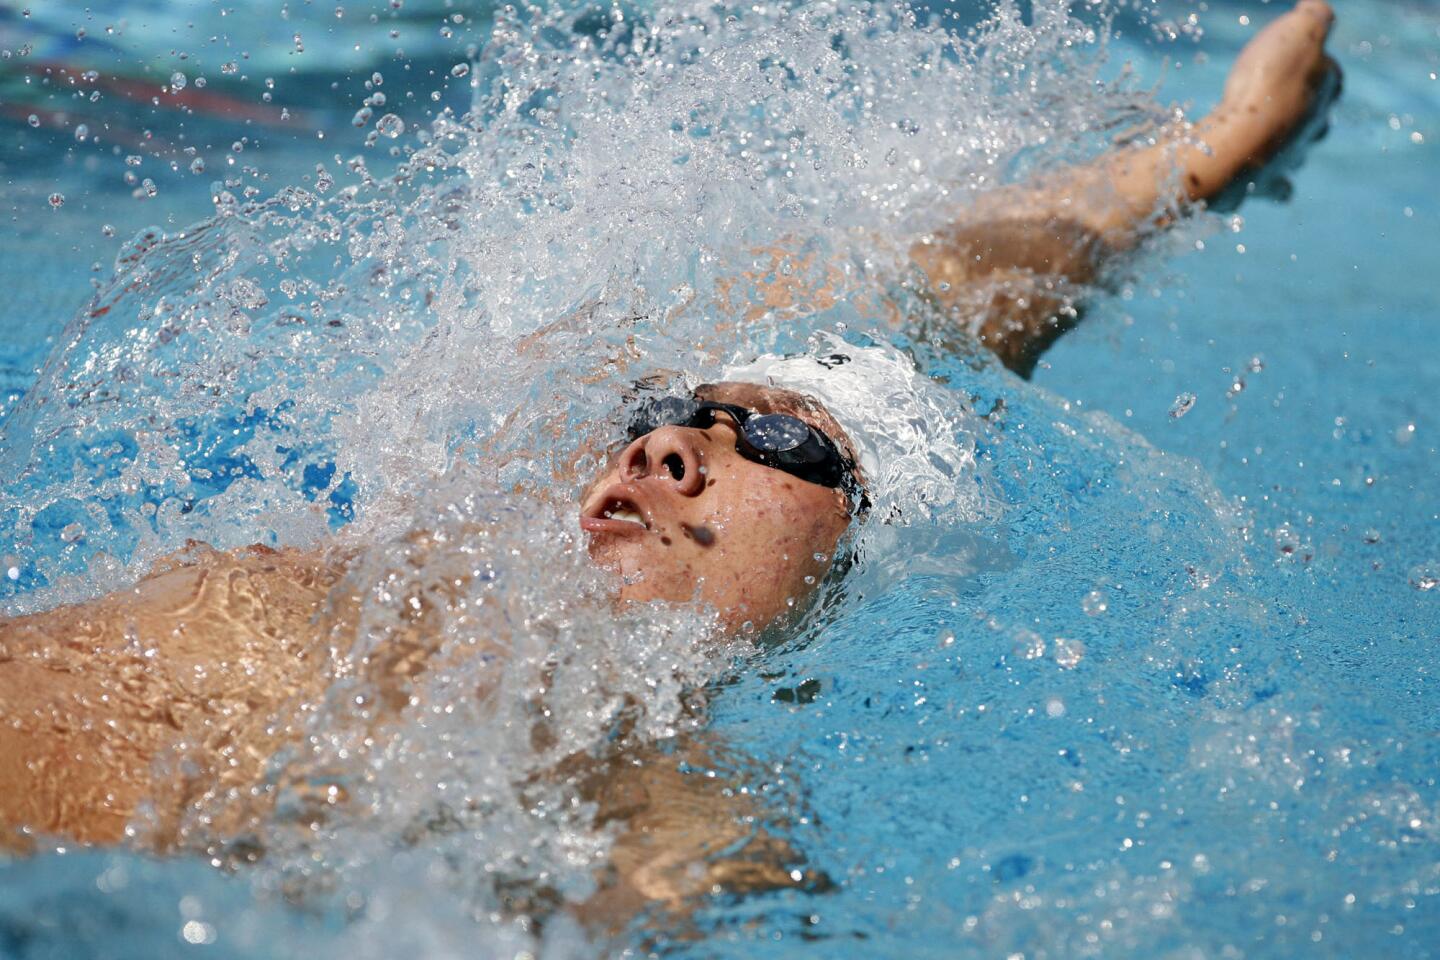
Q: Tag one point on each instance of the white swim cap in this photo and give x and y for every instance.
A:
(913, 437)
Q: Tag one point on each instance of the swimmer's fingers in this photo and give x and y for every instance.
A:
(1271, 180)
(1289, 49)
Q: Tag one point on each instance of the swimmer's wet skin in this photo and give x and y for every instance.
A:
(688, 511)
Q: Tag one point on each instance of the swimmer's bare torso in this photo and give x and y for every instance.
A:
(208, 657)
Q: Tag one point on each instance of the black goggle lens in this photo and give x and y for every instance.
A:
(766, 432)
(776, 432)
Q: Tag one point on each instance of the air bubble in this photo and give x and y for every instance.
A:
(57, 199)
(72, 532)
(460, 70)
(1425, 576)
(177, 81)
(197, 165)
(1028, 645)
(1183, 404)
(33, 120)
(82, 132)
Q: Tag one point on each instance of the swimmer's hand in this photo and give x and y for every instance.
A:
(1278, 95)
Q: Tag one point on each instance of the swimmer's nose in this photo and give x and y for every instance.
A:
(669, 452)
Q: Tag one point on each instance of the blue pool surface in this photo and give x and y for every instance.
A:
(1184, 705)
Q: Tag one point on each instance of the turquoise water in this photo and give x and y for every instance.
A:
(1167, 687)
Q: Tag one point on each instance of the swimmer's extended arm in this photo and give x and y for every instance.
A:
(1020, 262)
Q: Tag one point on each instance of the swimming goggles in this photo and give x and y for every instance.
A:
(775, 440)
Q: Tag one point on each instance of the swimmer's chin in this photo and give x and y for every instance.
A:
(645, 578)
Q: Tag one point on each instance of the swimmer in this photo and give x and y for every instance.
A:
(736, 495)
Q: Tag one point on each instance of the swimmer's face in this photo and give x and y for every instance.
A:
(681, 515)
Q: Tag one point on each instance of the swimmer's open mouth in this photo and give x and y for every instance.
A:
(617, 510)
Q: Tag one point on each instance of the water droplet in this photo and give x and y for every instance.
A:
(1182, 405)
(197, 932)
(460, 70)
(390, 126)
(1425, 576)
(177, 81)
(1068, 653)
(57, 199)
(1095, 603)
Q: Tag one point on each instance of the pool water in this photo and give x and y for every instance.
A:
(1150, 671)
